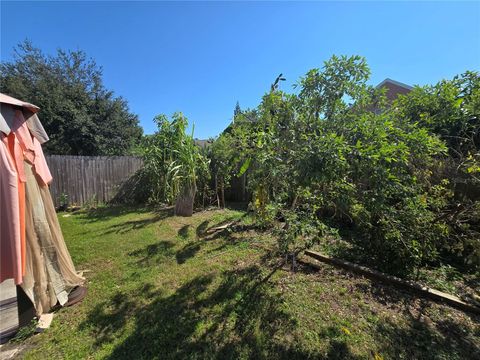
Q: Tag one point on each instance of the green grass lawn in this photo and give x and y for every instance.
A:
(160, 287)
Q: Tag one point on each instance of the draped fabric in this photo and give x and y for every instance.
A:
(10, 239)
(35, 126)
(32, 150)
(7, 113)
(17, 156)
(35, 282)
(33, 250)
(70, 276)
(42, 234)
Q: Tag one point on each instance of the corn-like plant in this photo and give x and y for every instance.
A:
(171, 160)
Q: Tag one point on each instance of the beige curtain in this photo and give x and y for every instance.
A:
(65, 263)
(50, 274)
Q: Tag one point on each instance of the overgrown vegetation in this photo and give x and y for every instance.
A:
(399, 180)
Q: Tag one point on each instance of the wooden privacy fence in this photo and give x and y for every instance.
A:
(89, 178)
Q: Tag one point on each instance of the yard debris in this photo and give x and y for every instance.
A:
(417, 288)
(220, 228)
(11, 352)
(44, 322)
(76, 295)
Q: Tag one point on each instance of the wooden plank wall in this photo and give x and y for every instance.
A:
(88, 178)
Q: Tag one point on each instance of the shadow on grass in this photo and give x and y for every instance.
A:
(183, 232)
(241, 313)
(192, 248)
(339, 350)
(187, 252)
(201, 229)
(422, 336)
(237, 314)
(111, 211)
(153, 253)
(386, 294)
(127, 226)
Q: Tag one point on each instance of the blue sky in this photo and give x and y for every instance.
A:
(200, 58)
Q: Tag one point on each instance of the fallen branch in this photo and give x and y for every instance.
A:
(417, 288)
(219, 228)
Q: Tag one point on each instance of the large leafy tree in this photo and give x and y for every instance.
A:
(80, 115)
(333, 157)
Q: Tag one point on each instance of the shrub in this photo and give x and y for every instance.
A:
(321, 165)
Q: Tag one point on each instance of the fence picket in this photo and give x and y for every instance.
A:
(84, 177)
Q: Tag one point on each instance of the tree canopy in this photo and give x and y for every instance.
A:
(335, 160)
(79, 114)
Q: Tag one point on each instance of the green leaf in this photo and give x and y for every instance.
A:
(244, 167)
(458, 103)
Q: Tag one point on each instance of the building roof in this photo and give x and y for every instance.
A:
(394, 88)
(202, 142)
(389, 81)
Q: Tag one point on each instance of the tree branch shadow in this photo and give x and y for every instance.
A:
(190, 249)
(105, 213)
(201, 229)
(153, 252)
(187, 252)
(421, 338)
(183, 232)
(236, 314)
(127, 226)
(426, 332)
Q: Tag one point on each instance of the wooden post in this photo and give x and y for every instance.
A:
(185, 200)
(417, 288)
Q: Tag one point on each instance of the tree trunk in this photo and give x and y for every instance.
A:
(216, 190)
(222, 193)
(244, 187)
(294, 202)
(185, 200)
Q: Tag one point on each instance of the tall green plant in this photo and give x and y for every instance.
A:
(171, 161)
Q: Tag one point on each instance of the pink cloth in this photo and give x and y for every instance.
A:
(14, 149)
(32, 149)
(10, 239)
(20, 130)
(16, 154)
(40, 164)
